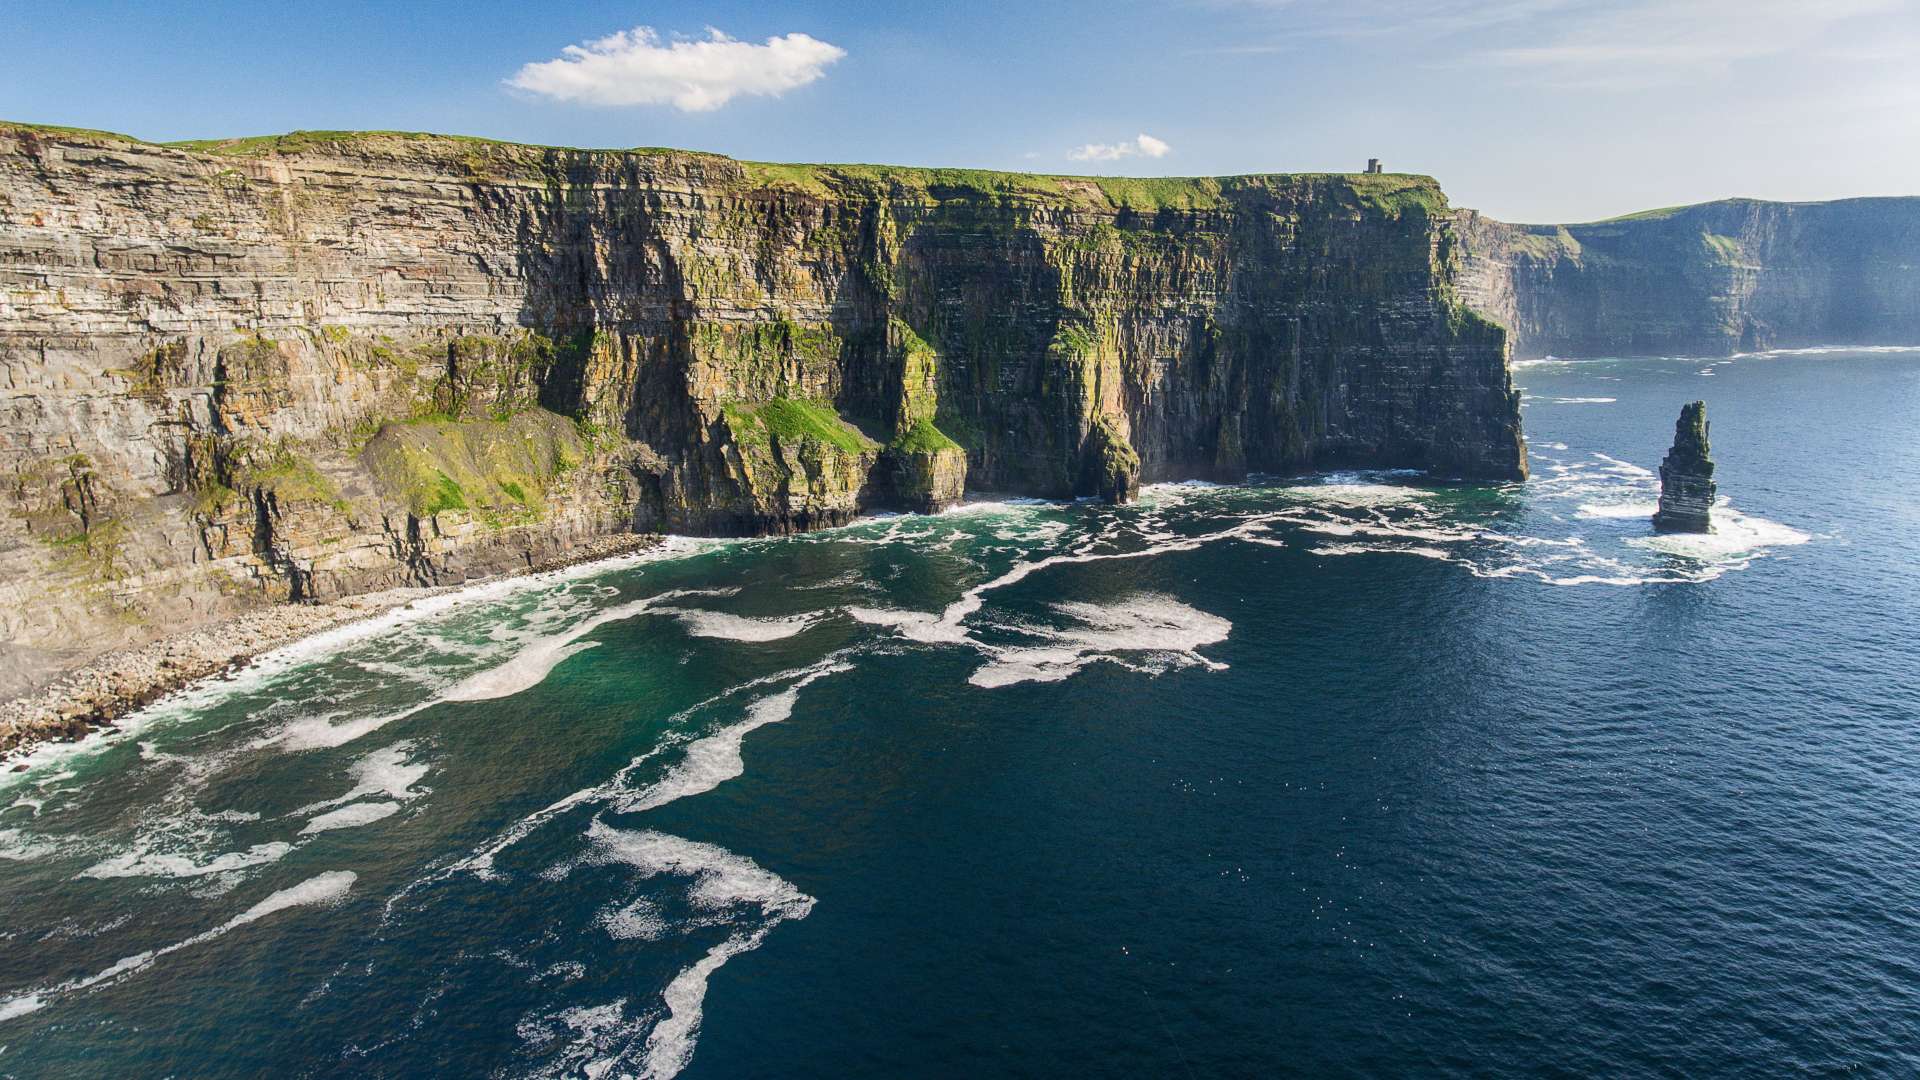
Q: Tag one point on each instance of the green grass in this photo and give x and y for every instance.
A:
(1546, 242)
(797, 421)
(291, 477)
(294, 142)
(1660, 214)
(501, 470)
(57, 129)
(1074, 339)
(442, 494)
(1393, 192)
(1725, 249)
(924, 438)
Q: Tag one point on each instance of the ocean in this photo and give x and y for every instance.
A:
(1360, 774)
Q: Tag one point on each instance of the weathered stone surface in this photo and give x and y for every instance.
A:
(1714, 279)
(1686, 476)
(302, 367)
(927, 481)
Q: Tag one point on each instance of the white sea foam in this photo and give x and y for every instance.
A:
(639, 919)
(1733, 534)
(532, 664)
(143, 861)
(1635, 509)
(328, 730)
(948, 627)
(723, 883)
(351, 816)
(480, 860)
(1624, 468)
(599, 1037)
(719, 624)
(1384, 529)
(1348, 490)
(527, 667)
(715, 759)
(16, 846)
(1580, 400)
(1383, 549)
(986, 504)
(388, 772)
(327, 888)
(1163, 628)
(275, 665)
(670, 1044)
(1827, 350)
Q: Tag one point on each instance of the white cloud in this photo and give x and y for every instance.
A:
(634, 67)
(1141, 145)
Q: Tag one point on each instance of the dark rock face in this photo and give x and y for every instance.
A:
(1714, 279)
(1686, 476)
(304, 367)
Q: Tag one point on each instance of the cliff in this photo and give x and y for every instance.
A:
(1713, 279)
(322, 363)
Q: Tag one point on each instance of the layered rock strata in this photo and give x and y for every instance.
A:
(1738, 275)
(1686, 476)
(319, 364)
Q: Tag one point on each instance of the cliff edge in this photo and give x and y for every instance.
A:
(304, 366)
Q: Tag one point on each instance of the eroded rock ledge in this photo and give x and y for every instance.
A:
(322, 364)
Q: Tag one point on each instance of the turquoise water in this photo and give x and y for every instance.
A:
(1339, 775)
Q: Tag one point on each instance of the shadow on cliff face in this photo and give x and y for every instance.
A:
(602, 281)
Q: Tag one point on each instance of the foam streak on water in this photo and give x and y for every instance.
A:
(732, 888)
(323, 889)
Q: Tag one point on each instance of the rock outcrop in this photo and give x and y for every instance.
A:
(318, 364)
(1686, 476)
(1733, 276)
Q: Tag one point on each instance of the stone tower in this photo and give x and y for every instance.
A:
(1686, 476)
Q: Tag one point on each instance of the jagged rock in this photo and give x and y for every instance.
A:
(1686, 476)
(304, 367)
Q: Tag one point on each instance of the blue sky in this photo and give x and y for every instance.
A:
(1532, 110)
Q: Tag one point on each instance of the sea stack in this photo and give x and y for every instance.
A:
(1686, 476)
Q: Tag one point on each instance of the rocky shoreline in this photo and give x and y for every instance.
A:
(119, 682)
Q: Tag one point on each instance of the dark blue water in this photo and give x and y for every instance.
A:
(1339, 776)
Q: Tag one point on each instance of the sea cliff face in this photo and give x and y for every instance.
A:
(324, 363)
(1722, 277)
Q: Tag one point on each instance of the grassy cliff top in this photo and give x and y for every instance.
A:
(1669, 213)
(1391, 192)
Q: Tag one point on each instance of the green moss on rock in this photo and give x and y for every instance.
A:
(489, 467)
(923, 438)
(796, 421)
